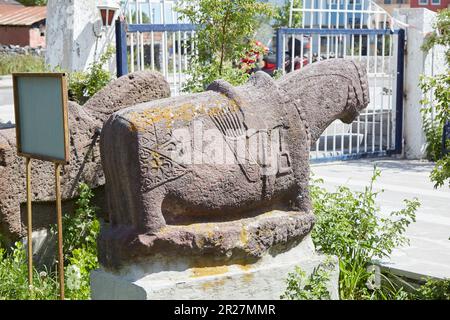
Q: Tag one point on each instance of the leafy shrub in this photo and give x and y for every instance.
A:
(21, 63)
(436, 111)
(227, 28)
(282, 15)
(14, 277)
(84, 84)
(33, 2)
(349, 226)
(312, 287)
(434, 290)
(80, 231)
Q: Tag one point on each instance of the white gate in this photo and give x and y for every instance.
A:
(360, 30)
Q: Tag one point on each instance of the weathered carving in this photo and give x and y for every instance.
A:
(222, 173)
(84, 125)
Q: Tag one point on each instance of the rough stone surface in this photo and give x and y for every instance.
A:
(10, 49)
(225, 155)
(175, 278)
(85, 165)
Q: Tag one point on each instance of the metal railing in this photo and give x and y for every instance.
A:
(378, 130)
(155, 37)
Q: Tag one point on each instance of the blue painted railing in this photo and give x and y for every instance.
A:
(445, 137)
(122, 28)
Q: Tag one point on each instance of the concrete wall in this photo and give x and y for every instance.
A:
(417, 62)
(74, 38)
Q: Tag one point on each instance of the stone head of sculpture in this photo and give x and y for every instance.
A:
(326, 91)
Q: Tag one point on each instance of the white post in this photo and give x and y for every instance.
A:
(418, 24)
(74, 35)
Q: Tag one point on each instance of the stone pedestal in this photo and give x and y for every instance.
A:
(174, 278)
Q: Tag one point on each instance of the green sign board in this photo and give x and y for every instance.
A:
(40, 102)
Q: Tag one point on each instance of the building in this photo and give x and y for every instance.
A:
(20, 25)
(433, 5)
(390, 5)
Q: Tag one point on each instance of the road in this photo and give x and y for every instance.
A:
(6, 100)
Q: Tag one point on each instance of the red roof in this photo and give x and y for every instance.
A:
(13, 15)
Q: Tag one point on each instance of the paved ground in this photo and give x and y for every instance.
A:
(6, 100)
(429, 250)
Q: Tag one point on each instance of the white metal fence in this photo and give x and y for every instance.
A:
(351, 23)
(166, 50)
(330, 29)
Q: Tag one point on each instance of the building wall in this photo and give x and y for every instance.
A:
(74, 38)
(390, 5)
(16, 35)
(36, 39)
(433, 5)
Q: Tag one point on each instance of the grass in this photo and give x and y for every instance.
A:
(21, 63)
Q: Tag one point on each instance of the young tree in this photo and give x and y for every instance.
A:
(226, 29)
(283, 12)
(439, 107)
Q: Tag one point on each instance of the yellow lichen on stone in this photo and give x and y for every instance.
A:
(244, 267)
(243, 236)
(185, 112)
(156, 161)
(247, 277)
(213, 284)
(208, 271)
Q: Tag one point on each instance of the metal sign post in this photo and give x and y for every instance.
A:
(40, 103)
(29, 223)
(60, 232)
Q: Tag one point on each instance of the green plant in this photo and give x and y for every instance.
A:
(282, 15)
(84, 84)
(33, 2)
(21, 63)
(14, 277)
(434, 290)
(436, 110)
(80, 232)
(349, 225)
(225, 35)
(300, 286)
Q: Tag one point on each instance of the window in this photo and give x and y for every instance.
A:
(436, 2)
(423, 2)
(387, 1)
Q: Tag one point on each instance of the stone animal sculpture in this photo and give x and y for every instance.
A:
(169, 192)
(85, 165)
